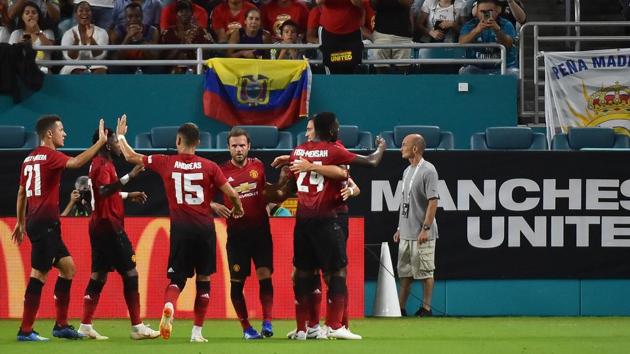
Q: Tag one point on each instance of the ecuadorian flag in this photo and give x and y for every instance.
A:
(256, 92)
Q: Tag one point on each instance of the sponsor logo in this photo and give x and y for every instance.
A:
(341, 57)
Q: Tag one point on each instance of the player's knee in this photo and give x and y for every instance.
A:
(203, 287)
(337, 286)
(132, 273)
(179, 282)
(130, 283)
(263, 273)
(39, 275)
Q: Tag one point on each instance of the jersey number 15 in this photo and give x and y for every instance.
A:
(185, 190)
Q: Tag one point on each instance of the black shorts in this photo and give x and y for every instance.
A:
(245, 245)
(47, 247)
(319, 244)
(342, 220)
(342, 52)
(193, 251)
(111, 249)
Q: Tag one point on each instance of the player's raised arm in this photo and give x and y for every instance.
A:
(373, 159)
(128, 152)
(20, 212)
(87, 155)
(229, 192)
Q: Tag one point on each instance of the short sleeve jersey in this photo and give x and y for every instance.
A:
(190, 182)
(317, 195)
(223, 18)
(40, 176)
(274, 16)
(108, 209)
(249, 182)
(341, 17)
(420, 184)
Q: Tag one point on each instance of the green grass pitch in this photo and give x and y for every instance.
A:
(601, 335)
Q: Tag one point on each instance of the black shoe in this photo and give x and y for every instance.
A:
(403, 312)
(422, 312)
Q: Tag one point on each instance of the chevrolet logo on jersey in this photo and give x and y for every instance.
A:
(245, 187)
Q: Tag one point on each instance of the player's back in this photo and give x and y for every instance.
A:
(41, 176)
(190, 182)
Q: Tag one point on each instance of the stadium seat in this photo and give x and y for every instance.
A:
(508, 138)
(164, 138)
(262, 137)
(433, 135)
(16, 137)
(590, 138)
(350, 136)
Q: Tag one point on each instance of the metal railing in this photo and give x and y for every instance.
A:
(537, 55)
(199, 49)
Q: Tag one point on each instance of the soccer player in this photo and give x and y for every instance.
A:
(319, 242)
(189, 183)
(37, 211)
(249, 238)
(110, 245)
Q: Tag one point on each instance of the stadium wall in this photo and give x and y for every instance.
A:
(373, 102)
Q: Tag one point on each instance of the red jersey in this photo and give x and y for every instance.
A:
(341, 205)
(274, 16)
(168, 18)
(341, 17)
(249, 182)
(369, 20)
(223, 18)
(40, 176)
(189, 182)
(105, 209)
(317, 195)
(313, 18)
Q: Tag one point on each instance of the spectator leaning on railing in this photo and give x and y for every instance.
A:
(488, 27)
(393, 26)
(289, 31)
(229, 16)
(252, 33)
(84, 34)
(30, 29)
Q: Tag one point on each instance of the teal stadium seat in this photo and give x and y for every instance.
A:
(435, 138)
(350, 136)
(164, 138)
(508, 138)
(262, 137)
(590, 138)
(16, 137)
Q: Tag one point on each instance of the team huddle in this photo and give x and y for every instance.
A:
(316, 171)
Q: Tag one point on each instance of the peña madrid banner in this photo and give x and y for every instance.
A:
(587, 89)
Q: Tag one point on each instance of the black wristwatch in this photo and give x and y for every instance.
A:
(426, 227)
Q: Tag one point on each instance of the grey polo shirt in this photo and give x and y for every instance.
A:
(420, 183)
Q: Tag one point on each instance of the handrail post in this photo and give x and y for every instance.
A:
(503, 59)
(535, 56)
(199, 61)
(578, 29)
(521, 68)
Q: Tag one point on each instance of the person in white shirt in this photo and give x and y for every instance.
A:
(84, 34)
(29, 29)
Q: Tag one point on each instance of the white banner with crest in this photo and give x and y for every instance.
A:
(587, 89)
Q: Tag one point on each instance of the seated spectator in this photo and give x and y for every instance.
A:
(102, 12)
(393, 26)
(439, 21)
(48, 10)
(511, 10)
(229, 17)
(289, 32)
(80, 203)
(134, 32)
(5, 22)
(29, 29)
(488, 27)
(185, 31)
(168, 18)
(277, 12)
(84, 34)
(251, 34)
(151, 11)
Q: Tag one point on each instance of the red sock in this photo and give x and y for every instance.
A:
(172, 293)
(132, 298)
(31, 304)
(303, 290)
(90, 300)
(336, 295)
(266, 297)
(201, 302)
(62, 300)
(238, 301)
(345, 320)
(315, 302)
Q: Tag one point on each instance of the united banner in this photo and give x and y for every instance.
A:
(587, 89)
(256, 92)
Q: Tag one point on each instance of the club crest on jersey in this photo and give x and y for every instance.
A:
(133, 258)
(253, 90)
(253, 174)
(236, 268)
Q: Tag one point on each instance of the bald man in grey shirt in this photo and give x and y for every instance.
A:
(417, 229)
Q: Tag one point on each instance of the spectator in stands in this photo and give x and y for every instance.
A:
(312, 25)
(439, 21)
(134, 32)
(84, 34)
(393, 26)
(30, 29)
(277, 12)
(511, 10)
(289, 30)
(488, 27)
(252, 33)
(102, 11)
(151, 11)
(185, 31)
(80, 203)
(229, 17)
(168, 17)
(342, 45)
(48, 10)
(5, 22)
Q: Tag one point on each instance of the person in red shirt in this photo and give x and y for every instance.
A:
(278, 11)
(109, 243)
(342, 46)
(249, 238)
(229, 16)
(190, 182)
(37, 211)
(168, 17)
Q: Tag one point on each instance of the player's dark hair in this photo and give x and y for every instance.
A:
(190, 133)
(236, 131)
(46, 123)
(326, 126)
(133, 5)
(95, 135)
